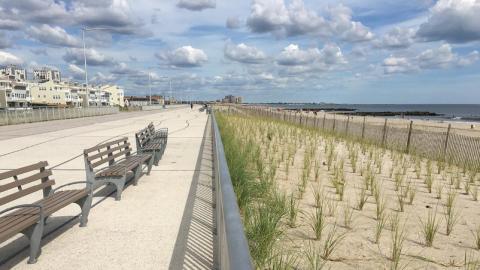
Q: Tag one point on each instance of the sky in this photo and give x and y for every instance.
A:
(351, 51)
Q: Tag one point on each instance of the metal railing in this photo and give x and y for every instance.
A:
(12, 117)
(232, 246)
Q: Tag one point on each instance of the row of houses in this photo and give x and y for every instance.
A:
(46, 89)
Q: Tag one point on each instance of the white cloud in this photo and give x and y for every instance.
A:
(196, 5)
(454, 21)
(76, 71)
(7, 58)
(185, 56)
(53, 35)
(275, 17)
(397, 38)
(294, 56)
(94, 58)
(244, 54)
(470, 59)
(440, 57)
(8, 24)
(116, 15)
(437, 58)
(397, 65)
(342, 24)
(101, 78)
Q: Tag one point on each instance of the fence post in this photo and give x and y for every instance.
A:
(324, 118)
(348, 122)
(363, 127)
(384, 137)
(409, 138)
(334, 121)
(446, 142)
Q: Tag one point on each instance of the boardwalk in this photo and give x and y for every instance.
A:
(165, 222)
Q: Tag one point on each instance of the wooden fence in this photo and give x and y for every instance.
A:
(456, 146)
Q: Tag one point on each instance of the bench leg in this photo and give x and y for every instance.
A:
(120, 185)
(34, 233)
(137, 174)
(150, 164)
(85, 204)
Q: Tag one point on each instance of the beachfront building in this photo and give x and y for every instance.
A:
(50, 94)
(232, 99)
(46, 74)
(14, 91)
(46, 89)
(115, 93)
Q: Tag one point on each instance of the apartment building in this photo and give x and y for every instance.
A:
(49, 93)
(232, 99)
(46, 74)
(14, 90)
(115, 94)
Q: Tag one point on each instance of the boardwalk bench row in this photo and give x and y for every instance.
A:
(113, 163)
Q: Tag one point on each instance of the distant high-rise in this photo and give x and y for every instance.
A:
(13, 73)
(46, 74)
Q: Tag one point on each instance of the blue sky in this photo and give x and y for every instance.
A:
(352, 51)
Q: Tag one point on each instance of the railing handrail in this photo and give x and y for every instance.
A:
(233, 250)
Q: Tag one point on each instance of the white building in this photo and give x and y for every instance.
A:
(14, 73)
(115, 94)
(46, 74)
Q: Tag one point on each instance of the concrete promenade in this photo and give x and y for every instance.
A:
(165, 222)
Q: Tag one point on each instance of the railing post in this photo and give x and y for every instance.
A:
(384, 136)
(445, 147)
(409, 138)
(334, 121)
(363, 127)
(348, 122)
(324, 118)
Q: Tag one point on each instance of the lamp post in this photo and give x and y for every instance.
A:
(85, 29)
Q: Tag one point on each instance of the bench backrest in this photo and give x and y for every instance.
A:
(151, 128)
(106, 152)
(143, 137)
(18, 183)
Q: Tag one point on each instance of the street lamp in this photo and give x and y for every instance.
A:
(85, 29)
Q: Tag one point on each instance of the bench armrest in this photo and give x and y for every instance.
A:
(72, 183)
(41, 214)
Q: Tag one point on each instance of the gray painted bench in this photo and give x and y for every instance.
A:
(29, 219)
(147, 144)
(160, 135)
(113, 162)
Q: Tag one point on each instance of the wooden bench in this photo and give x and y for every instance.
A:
(113, 162)
(146, 143)
(29, 219)
(160, 135)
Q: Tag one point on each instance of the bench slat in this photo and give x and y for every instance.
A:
(25, 180)
(51, 205)
(22, 170)
(24, 192)
(100, 146)
(111, 150)
(112, 157)
(25, 212)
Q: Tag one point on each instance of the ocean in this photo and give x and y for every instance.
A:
(455, 112)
